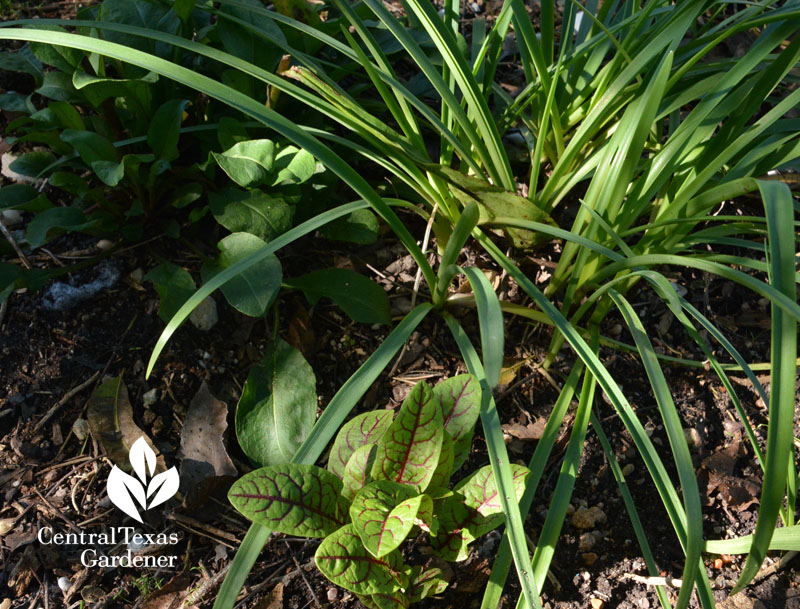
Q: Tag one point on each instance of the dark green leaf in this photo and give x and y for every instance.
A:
(9, 274)
(248, 163)
(165, 127)
(230, 132)
(33, 164)
(278, 406)
(360, 227)
(294, 166)
(173, 284)
(64, 218)
(16, 194)
(251, 211)
(91, 146)
(252, 291)
(361, 298)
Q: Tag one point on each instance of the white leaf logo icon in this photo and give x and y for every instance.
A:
(123, 488)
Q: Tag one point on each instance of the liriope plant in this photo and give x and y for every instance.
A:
(626, 113)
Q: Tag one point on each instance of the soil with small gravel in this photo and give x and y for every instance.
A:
(51, 478)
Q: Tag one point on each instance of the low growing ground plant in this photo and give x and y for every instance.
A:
(387, 479)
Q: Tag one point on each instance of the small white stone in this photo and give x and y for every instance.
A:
(81, 429)
(205, 316)
(150, 397)
(11, 217)
(64, 583)
(104, 244)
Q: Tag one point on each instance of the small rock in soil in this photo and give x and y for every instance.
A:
(11, 217)
(589, 558)
(586, 518)
(81, 429)
(693, 439)
(205, 316)
(597, 603)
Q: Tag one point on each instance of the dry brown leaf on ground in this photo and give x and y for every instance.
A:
(168, 596)
(24, 571)
(111, 422)
(205, 463)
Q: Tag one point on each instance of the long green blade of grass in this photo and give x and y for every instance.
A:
(780, 217)
(498, 458)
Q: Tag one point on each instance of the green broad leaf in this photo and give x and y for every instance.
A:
(73, 184)
(184, 8)
(363, 430)
(278, 405)
(174, 286)
(58, 86)
(344, 560)
(90, 146)
(251, 45)
(165, 129)
(23, 60)
(392, 600)
(461, 448)
(444, 469)
(359, 227)
(230, 132)
(252, 291)
(15, 195)
(248, 163)
(362, 299)
(41, 228)
(302, 500)
(147, 14)
(33, 164)
(111, 172)
(460, 397)
(425, 583)
(186, 195)
(495, 202)
(473, 510)
(59, 114)
(16, 102)
(294, 166)
(357, 471)
(383, 514)
(62, 58)
(97, 89)
(9, 273)
(409, 450)
(251, 211)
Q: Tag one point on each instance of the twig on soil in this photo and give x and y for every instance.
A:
(303, 575)
(204, 530)
(10, 238)
(67, 397)
(654, 581)
(56, 511)
(775, 567)
(207, 585)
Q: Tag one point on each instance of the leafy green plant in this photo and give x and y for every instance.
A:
(387, 477)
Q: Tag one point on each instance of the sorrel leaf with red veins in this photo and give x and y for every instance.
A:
(461, 448)
(367, 428)
(425, 583)
(302, 500)
(473, 510)
(395, 600)
(460, 398)
(342, 558)
(383, 514)
(409, 450)
(444, 469)
(357, 471)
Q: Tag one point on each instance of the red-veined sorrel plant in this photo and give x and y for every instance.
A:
(387, 479)
(636, 115)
